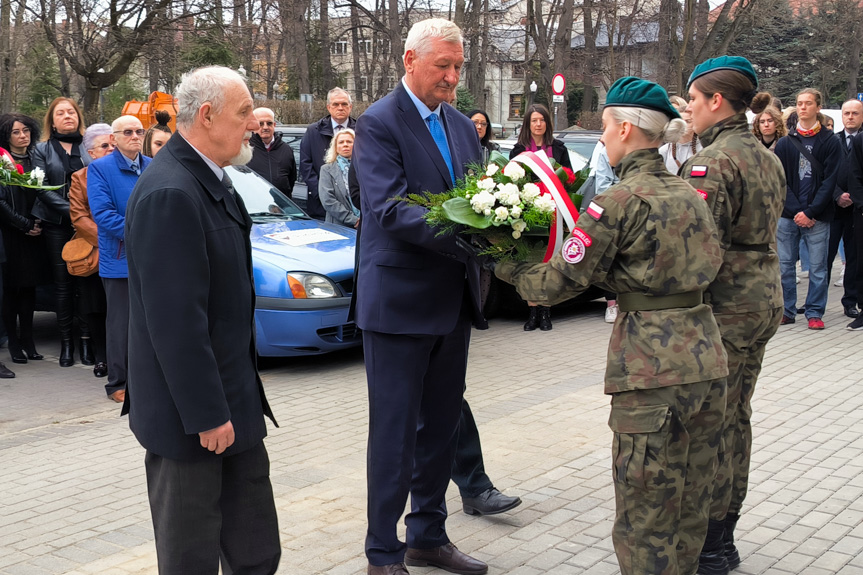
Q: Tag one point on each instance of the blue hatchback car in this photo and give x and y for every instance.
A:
(303, 271)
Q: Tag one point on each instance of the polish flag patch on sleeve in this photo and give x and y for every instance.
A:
(594, 210)
(698, 171)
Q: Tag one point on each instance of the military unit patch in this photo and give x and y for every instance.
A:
(702, 193)
(698, 172)
(580, 234)
(573, 250)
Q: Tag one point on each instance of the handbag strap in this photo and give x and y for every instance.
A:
(808, 155)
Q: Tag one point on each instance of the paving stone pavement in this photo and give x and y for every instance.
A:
(73, 494)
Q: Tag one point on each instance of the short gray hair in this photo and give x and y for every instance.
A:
(655, 125)
(265, 111)
(336, 92)
(423, 32)
(202, 85)
(93, 132)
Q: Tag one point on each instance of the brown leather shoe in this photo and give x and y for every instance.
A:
(118, 396)
(391, 569)
(448, 558)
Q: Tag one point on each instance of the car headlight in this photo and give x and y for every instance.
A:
(305, 285)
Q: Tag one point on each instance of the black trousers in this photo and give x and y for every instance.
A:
(842, 228)
(468, 469)
(855, 275)
(211, 509)
(56, 237)
(416, 388)
(117, 332)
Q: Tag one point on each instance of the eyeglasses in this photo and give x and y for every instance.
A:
(262, 124)
(103, 146)
(481, 124)
(128, 133)
(340, 105)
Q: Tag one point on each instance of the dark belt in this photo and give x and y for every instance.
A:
(762, 248)
(646, 302)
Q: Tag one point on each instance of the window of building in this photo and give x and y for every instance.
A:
(518, 70)
(366, 46)
(515, 101)
(363, 84)
(340, 47)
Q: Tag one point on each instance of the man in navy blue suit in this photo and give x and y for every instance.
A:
(417, 294)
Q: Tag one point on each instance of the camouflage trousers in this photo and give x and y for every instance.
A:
(664, 458)
(745, 336)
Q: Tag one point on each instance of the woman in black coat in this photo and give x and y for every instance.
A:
(23, 240)
(537, 134)
(60, 155)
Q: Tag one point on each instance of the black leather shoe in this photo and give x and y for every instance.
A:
(101, 369)
(731, 553)
(67, 353)
(17, 354)
(87, 357)
(544, 318)
(391, 569)
(446, 557)
(34, 355)
(5, 372)
(532, 319)
(489, 502)
(712, 560)
(851, 311)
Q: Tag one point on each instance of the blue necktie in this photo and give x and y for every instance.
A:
(440, 139)
(135, 169)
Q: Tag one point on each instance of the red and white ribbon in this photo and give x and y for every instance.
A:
(540, 165)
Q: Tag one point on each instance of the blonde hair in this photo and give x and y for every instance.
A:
(655, 125)
(332, 154)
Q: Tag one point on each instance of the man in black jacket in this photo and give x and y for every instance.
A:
(316, 141)
(194, 396)
(810, 157)
(273, 158)
(842, 226)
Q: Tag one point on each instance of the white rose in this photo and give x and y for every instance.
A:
(481, 201)
(515, 211)
(501, 213)
(485, 183)
(516, 234)
(513, 171)
(486, 212)
(507, 194)
(491, 170)
(544, 203)
(530, 192)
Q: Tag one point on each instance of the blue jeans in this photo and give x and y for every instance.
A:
(816, 238)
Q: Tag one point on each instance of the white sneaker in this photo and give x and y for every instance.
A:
(841, 281)
(611, 313)
(798, 279)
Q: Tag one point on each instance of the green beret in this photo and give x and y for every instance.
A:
(736, 63)
(632, 92)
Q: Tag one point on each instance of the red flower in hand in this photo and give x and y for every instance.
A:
(570, 175)
(20, 169)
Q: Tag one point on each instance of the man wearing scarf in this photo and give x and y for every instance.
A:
(810, 157)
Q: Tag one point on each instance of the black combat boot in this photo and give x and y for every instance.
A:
(544, 318)
(87, 356)
(532, 320)
(731, 554)
(67, 353)
(712, 560)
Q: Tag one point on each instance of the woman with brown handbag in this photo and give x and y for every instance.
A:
(92, 304)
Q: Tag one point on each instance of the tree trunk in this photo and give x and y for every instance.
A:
(562, 52)
(6, 58)
(396, 46)
(326, 64)
(291, 12)
(589, 56)
(355, 52)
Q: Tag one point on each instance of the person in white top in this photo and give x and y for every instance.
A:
(675, 154)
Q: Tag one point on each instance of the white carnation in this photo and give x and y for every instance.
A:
(37, 176)
(529, 192)
(491, 170)
(501, 214)
(507, 194)
(486, 212)
(515, 211)
(485, 183)
(513, 171)
(519, 226)
(482, 201)
(544, 203)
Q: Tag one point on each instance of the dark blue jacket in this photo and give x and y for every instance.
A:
(410, 280)
(313, 147)
(819, 204)
(109, 184)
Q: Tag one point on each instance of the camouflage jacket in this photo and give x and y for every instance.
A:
(745, 187)
(651, 234)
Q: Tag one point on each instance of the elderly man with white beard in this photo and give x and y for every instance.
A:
(194, 397)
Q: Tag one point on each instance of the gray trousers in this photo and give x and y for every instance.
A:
(117, 332)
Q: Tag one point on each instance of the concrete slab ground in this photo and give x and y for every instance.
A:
(73, 495)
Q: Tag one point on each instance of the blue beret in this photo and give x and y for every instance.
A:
(632, 92)
(735, 63)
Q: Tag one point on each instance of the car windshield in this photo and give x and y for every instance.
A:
(263, 201)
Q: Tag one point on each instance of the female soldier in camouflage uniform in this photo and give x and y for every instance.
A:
(651, 239)
(744, 185)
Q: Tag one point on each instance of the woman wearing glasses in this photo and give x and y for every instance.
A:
(483, 129)
(59, 155)
(22, 236)
(92, 305)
